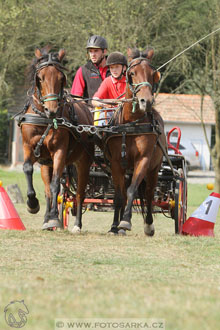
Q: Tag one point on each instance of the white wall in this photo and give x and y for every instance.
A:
(17, 147)
(195, 134)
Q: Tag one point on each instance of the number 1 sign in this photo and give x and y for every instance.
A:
(202, 220)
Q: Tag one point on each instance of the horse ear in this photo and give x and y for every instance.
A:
(61, 54)
(157, 77)
(38, 53)
(149, 53)
(132, 53)
(129, 53)
(43, 51)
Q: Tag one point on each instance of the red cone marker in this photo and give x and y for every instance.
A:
(9, 218)
(202, 221)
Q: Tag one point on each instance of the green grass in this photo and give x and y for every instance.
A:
(17, 177)
(94, 275)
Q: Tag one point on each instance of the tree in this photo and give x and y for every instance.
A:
(203, 75)
(169, 26)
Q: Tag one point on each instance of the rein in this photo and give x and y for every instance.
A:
(36, 110)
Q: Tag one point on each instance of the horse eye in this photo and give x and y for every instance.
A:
(132, 73)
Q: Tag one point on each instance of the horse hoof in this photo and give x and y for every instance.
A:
(113, 231)
(122, 232)
(124, 225)
(54, 224)
(149, 230)
(44, 226)
(76, 230)
(33, 210)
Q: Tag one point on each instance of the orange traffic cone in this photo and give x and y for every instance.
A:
(202, 221)
(9, 218)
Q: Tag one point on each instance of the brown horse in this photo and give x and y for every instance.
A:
(47, 140)
(137, 145)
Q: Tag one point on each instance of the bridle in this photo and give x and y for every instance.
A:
(134, 88)
(42, 62)
(45, 61)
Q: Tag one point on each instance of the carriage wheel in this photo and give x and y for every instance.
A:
(180, 211)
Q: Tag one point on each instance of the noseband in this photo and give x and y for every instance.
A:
(134, 88)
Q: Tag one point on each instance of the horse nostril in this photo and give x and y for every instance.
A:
(49, 114)
(52, 114)
(149, 105)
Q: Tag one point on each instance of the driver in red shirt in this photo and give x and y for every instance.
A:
(89, 76)
(113, 87)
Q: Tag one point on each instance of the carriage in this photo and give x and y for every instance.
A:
(170, 196)
(130, 151)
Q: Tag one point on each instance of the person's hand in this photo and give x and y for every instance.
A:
(108, 106)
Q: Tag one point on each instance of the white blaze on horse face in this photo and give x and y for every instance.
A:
(145, 98)
(144, 95)
(141, 75)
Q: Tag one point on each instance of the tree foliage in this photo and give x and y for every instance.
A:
(170, 26)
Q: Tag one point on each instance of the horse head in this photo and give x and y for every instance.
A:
(49, 81)
(141, 78)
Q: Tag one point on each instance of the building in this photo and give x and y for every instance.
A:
(184, 111)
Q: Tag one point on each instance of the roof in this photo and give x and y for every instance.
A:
(185, 108)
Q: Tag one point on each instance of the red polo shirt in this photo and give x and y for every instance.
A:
(111, 88)
(78, 85)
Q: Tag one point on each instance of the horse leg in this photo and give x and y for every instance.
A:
(82, 180)
(125, 223)
(138, 175)
(118, 176)
(53, 219)
(32, 202)
(58, 166)
(46, 174)
(151, 184)
(118, 211)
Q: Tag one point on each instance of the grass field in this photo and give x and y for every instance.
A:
(93, 275)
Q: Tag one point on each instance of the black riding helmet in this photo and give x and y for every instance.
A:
(97, 42)
(116, 58)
